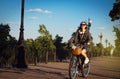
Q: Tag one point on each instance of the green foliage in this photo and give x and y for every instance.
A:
(117, 41)
(115, 12)
(45, 38)
(107, 51)
(40, 48)
(4, 34)
(100, 45)
(43, 31)
(44, 47)
(95, 49)
(7, 46)
(29, 50)
(62, 51)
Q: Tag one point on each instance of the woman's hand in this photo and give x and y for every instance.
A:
(74, 47)
(88, 43)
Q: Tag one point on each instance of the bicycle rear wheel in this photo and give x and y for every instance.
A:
(86, 69)
(73, 67)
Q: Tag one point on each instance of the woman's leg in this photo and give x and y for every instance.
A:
(85, 55)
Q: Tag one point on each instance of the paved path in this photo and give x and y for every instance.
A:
(101, 68)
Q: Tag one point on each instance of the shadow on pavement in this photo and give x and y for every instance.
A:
(102, 75)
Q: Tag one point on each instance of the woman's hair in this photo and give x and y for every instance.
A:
(80, 27)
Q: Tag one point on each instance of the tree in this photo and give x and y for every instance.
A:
(32, 53)
(7, 45)
(58, 44)
(46, 37)
(45, 40)
(107, 50)
(4, 34)
(41, 48)
(61, 48)
(115, 12)
(117, 41)
(100, 49)
(106, 41)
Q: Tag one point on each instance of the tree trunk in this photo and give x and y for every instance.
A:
(54, 55)
(46, 61)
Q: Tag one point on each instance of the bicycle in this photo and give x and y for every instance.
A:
(77, 64)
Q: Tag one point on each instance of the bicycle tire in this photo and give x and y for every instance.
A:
(85, 70)
(73, 68)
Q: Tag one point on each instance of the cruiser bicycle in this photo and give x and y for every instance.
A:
(77, 66)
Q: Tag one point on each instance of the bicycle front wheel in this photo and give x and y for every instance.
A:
(73, 67)
(86, 69)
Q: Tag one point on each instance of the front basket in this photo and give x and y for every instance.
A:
(77, 51)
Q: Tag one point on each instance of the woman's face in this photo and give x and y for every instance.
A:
(83, 25)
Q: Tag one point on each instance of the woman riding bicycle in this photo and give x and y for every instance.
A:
(81, 39)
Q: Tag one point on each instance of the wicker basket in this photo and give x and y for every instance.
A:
(77, 51)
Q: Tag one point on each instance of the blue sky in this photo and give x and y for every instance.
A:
(59, 16)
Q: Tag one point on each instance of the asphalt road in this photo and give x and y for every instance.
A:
(101, 68)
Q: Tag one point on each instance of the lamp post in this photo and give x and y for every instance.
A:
(20, 57)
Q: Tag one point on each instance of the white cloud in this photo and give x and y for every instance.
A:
(39, 10)
(33, 18)
(35, 10)
(47, 12)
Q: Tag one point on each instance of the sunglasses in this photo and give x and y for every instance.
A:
(83, 24)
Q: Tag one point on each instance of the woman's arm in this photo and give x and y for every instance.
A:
(73, 40)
